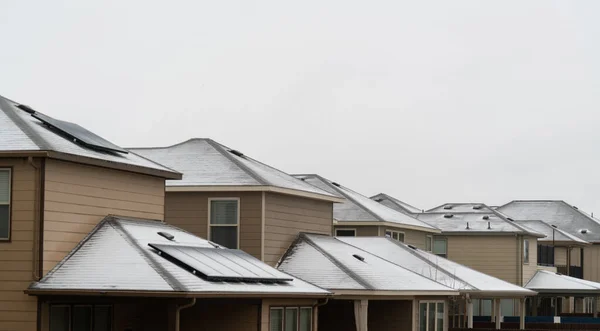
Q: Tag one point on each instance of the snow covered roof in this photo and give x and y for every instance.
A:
(115, 257)
(206, 164)
(555, 212)
(436, 268)
(553, 234)
(21, 132)
(469, 207)
(395, 204)
(553, 283)
(359, 208)
(341, 268)
(477, 223)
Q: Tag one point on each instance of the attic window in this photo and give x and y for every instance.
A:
(448, 215)
(26, 108)
(166, 235)
(448, 207)
(358, 257)
(237, 153)
(477, 207)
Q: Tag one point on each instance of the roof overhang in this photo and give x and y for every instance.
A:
(499, 294)
(388, 224)
(564, 243)
(251, 188)
(559, 292)
(389, 295)
(486, 233)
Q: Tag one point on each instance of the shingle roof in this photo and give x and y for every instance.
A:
(21, 132)
(332, 264)
(359, 208)
(206, 163)
(115, 257)
(396, 204)
(436, 268)
(549, 282)
(552, 234)
(469, 207)
(555, 212)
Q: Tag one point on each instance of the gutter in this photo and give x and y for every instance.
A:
(179, 309)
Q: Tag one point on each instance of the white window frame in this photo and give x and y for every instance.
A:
(344, 229)
(444, 318)
(8, 203)
(526, 252)
(209, 226)
(298, 310)
(397, 232)
(429, 240)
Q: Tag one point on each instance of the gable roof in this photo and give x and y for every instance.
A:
(441, 270)
(138, 269)
(396, 204)
(555, 212)
(207, 166)
(358, 208)
(21, 133)
(553, 234)
(341, 268)
(553, 283)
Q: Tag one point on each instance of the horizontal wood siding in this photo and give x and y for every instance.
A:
(493, 255)
(18, 310)
(416, 238)
(361, 231)
(560, 256)
(529, 269)
(78, 196)
(286, 216)
(189, 211)
(591, 263)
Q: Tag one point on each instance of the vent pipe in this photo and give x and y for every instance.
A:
(468, 228)
(489, 226)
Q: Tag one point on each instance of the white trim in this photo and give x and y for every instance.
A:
(387, 224)
(208, 225)
(346, 229)
(253, 188)
(8, 203)
(429, 239)
(391, 295)
(262, 228)
(444, 316)
(526, 261)
(284, 308)
(397, 232)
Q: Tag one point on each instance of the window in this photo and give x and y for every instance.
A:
(431, 316)
(545, 255)
(80, 318)
(428, 243)
(5, 190)
(224, 216)
(440, 247)
(526, 251)
(396, 235)
(345, 232)
(290, 319)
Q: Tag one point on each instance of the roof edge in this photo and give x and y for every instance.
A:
(251, 188)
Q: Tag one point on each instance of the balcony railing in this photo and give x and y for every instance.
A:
(572, 271)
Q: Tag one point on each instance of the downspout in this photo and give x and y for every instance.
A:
(179, 309)
(315, 320)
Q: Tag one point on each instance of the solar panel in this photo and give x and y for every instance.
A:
(79, 134)
(218, 264)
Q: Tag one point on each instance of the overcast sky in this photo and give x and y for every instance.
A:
(428, 101)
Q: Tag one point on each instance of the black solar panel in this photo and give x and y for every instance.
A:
(219, 264)
(79, 134)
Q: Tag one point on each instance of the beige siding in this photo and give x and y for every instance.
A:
(576, 257)
(286, 216)
(560, 256)
(416, 238)
(362, 231)
(493, 255)
(411, 237)
(189, 211)
(18, 310)
(591, 263)
(78, 196)
(530, 268)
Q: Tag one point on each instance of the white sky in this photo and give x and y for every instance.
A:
(428, 101)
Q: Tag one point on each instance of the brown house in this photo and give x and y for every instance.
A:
(239, 202)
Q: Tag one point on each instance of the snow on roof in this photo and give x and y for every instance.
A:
(332, 264)
(205, 162)
(436, 268)
(359, 208)
(395, 204)
(555, 212)
(116, 257)
(549, 282)
(20, 131)
(469, 207)
(552, 234)
(474, 223)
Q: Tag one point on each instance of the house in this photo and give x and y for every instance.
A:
(234, 200)
(396, 204)
(363, 273)
(358, 215)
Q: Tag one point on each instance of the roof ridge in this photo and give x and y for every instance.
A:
(340, 265)
(221, 149)
(162, 272)
(395, 201)
(506, 219)
(160, 164)
(21, 124)
(171, 146)
(581, 212)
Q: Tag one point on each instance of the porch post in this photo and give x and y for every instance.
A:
(497, 313)
(595, 306)
(522, 313)
(534, 306)
(469, 313)
(361, 309)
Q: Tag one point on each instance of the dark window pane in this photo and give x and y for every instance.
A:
(59, 318)
(224, 235)
(4, 221)
(102, 318)
(224, 212)
(4, 186)
(345, 233)
(423, 317)
(291, 319)
(305, 319)
(276, 323)
(431, 317)
(82, 318)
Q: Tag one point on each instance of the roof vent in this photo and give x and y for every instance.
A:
(166, 235)
(575, 207)
(358, 257)
(26, 108)
(554, 226)
(238, 153)
(468, 228)
(379, 199)
(510, 219)
(584, 231)
(448, 215)
(486, 217)
(336, 184)
(489, 226)
(448, 207)
(303, 179)
(413, 247)
(477, 207)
